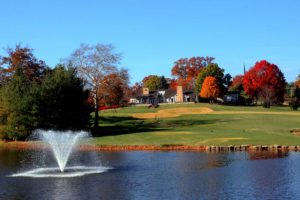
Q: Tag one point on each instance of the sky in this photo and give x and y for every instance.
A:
(153, 34)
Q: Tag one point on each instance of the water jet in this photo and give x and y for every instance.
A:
(62, 144)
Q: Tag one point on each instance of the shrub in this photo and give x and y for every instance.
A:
(294, 103)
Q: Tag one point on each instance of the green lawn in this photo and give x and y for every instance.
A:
(118, 127)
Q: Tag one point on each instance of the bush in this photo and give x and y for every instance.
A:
(294, 103)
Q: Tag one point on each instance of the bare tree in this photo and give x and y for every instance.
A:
(93, 63)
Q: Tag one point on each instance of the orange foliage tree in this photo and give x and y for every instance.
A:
(297, 83)
(210, 88)
(114, 88)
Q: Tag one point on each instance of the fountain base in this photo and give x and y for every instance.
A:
(69, 172)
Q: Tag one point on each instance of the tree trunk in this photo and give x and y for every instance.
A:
(96, 119)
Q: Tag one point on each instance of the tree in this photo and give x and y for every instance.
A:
(136, 88)
(114, 88)
(19, 95)
(190, 67)
(211, 70)
(154, 82)
(58, 102)
(227, 80)
(163, 83)
(210, 88)
(237, 84)
(185, 70)
(63, 101)
(22, 59)
(297, 82)
(21, 74)
(93, 64)
(265, 80)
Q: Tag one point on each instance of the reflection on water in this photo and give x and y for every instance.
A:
(159, 175)
(261, 155)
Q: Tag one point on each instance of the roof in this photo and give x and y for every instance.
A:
(170, 93)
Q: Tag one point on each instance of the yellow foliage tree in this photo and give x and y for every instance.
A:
(210, 88)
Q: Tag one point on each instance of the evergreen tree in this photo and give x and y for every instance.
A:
(63, 101)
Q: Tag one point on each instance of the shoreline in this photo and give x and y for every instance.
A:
(36, 145)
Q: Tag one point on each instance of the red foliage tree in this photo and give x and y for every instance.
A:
(265, 81)
(173, 84)
(237, 83)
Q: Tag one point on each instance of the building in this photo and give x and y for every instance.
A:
(163, 96)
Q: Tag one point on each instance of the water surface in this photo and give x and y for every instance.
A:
(156, 175)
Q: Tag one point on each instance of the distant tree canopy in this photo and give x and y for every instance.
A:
(21, 59)
(186, 70)
(265, 81)
(237, 84)
(211, 70)
(114, 88)
(154, 82)
(297, 82)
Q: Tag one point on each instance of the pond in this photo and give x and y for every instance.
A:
(156, 175)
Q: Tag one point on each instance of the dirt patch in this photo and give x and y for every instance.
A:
(174, 112)
(295, 132)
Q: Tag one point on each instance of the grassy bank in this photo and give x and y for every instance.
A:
(224, 125)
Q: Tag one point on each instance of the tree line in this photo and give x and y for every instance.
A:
(263, 82)
(35, 96)
(68, 96)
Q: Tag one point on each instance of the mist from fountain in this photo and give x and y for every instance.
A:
(61, 144)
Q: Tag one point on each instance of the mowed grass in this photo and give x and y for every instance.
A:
(235, 126)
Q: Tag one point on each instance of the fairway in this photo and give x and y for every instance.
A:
(199, 124)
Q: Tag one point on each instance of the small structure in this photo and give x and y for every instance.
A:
(235, 98)
(231, 97)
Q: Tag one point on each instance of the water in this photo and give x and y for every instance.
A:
(157, 175)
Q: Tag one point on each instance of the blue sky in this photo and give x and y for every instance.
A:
(152, 34)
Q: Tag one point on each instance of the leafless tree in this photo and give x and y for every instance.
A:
(93, 63)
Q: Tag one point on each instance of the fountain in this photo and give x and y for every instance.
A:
(61, 145)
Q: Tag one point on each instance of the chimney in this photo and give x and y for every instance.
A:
(179, 98)
(145, 91)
